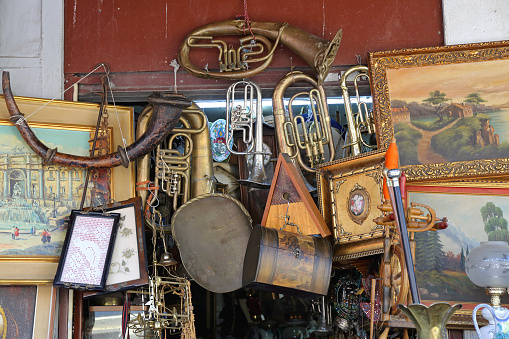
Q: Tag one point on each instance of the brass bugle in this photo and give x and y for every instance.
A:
(363, 119)
(315, 51)
(167, 111)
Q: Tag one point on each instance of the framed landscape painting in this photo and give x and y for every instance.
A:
(36, 199)
(440, 255)
(447, 107)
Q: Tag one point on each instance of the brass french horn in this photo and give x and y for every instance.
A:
(233, 64)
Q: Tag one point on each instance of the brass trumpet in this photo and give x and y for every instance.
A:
(288, 137)
(233, 63)
(361, 121)
(239, 117)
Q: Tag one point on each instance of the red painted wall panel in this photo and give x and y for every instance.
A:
(134, 35)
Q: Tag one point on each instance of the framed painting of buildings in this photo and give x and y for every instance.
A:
(447, 106)
(440, 255)
(36, 198)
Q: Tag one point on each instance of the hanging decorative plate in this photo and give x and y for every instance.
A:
(218, 140)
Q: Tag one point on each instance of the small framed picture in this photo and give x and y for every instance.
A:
(349, 192)
(87, 250)
(128, 264)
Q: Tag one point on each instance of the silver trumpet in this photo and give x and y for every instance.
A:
(240, 104)
(361, 122)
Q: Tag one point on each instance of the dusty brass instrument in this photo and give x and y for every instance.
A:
(241, 105)
(233, 63)
(289, 139)
(181, 176)
(361, 121)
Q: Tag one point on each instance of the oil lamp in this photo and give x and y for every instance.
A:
(488, 266)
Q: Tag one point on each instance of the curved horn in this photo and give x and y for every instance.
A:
(167, 111)
(317, 52)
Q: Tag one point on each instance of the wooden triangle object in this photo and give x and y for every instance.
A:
(289, 205)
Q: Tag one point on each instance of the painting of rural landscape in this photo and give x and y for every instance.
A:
(453, 112)
(440, 255)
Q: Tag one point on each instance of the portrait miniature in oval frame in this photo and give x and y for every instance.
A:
(358, 204)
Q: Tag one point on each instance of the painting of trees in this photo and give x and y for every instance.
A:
(495, 225)
(475, 99)
(437, 98)
(428, 251)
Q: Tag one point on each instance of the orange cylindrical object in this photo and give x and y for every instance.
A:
(391, 162)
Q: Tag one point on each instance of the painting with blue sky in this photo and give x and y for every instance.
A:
(36, 198)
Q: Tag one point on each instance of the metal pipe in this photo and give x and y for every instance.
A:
(399, 214)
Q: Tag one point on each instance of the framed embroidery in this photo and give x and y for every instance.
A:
(128, 265)
(87, 250)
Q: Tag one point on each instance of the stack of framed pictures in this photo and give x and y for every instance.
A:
(448, 109)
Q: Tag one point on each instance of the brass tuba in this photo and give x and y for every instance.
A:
(233, 63)
(181, 176)
(289, 139)
(362, 121)
(241, 106)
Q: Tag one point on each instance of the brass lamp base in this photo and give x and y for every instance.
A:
(495, 293)
(429, 321)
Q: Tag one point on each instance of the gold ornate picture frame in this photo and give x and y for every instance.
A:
(59, 115)
(447, 107)
(349, 193)
(439, 255)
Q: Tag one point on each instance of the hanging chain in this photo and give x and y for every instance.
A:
(101, 135)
